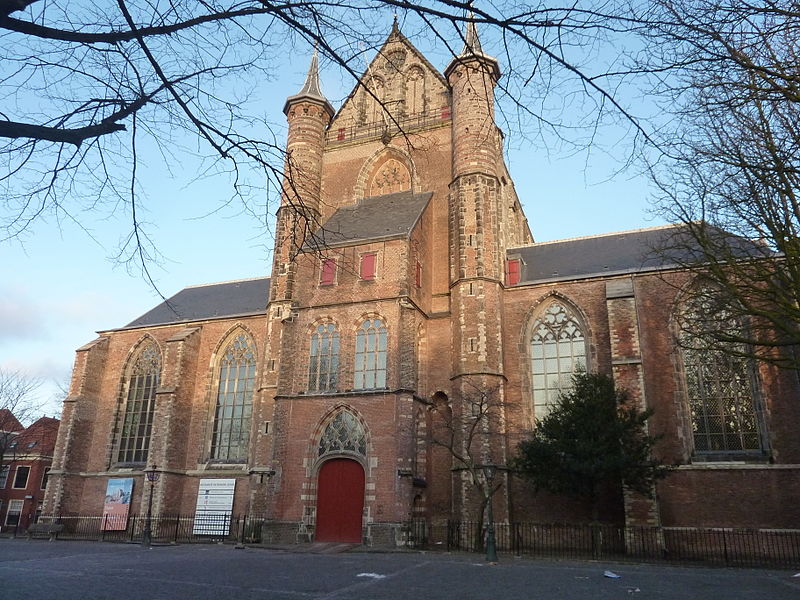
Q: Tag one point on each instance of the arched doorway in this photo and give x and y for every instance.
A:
(340, 501)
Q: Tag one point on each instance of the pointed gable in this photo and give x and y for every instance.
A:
(400, 80)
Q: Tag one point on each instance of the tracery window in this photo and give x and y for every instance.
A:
(323, 369)
(370, 363)
(343, 434)
(558, 349)
(393, 176)
(137, 422)
(234, 405)
(721, 388)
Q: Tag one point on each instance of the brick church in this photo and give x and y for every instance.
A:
(405, 276)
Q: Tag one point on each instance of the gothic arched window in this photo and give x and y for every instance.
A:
(721, 383)
(234, 406)
(370, 363)
(392, 176)
(558, 349)
(137, 422)
(343, 435)
(323, 368)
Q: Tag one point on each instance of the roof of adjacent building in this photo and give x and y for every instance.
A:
(39, 436)
(375, 217)
(210, 301)
(8, 422)
(633, 251)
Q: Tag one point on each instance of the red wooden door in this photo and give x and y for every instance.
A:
(340, 501)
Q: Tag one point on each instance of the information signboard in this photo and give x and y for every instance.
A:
(117, 504)
(214, 507)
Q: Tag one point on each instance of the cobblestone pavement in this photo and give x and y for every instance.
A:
(44, 570)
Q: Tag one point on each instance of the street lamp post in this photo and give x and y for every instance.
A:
(491, 541)
(152, 475)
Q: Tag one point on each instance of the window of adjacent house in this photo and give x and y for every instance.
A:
(328, 275)
(137, 421)
(513, 271)
(234, 405)
(323, 369)
(14, 512)
(370, 363)
(45, 476)
(721, 388)
(21, 477)
(368, 264)
(418, 275)
(558, 349)
(4, 476)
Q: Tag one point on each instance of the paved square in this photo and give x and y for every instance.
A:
(39, 570)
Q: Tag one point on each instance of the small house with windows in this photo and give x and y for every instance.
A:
(405, 279)
(26, 455)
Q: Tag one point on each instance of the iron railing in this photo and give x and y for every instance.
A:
(164, 528)
(375, 129)
(716, 546)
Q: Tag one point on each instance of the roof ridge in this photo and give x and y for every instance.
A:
(198, 285)
(598, 235)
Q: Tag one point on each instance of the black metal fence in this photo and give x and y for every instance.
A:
(164, 528)
(719, 546)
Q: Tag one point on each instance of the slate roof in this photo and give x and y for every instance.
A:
(619, 253)
(373, 218)
(211, 301)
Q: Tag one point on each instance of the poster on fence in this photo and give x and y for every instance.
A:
(117, 504)
(214, 507)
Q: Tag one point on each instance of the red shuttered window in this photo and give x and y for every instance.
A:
(512, 271)
(328, 276)
(368, 263)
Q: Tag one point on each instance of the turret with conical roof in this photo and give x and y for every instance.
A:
(477, 254)
(308, 114)
(473, 51)
(311, 89)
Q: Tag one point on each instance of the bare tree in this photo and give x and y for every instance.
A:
(473, 433)
(18, 406)
(730, 171)
(86, 88)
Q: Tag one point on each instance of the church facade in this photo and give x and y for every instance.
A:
(405, 276)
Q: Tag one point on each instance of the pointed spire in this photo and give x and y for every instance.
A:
(311, 88)
(472, 43)
(474, 50)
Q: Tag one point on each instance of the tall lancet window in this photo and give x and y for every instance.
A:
(237, 376)
(721, 383)
(370, 363)
(558, 349)
(137, 422)
(323, 368)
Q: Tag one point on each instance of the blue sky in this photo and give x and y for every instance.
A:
(60, 286)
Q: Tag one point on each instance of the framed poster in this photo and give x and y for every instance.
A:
(214, 507)
(117, 504)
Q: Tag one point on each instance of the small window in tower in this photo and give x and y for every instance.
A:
(418, 275)
(328, 276)
(513, 271)
(368, 263)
